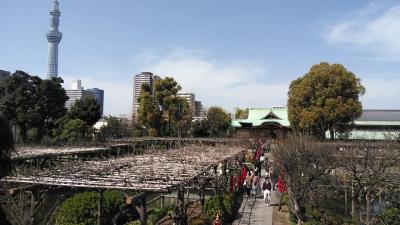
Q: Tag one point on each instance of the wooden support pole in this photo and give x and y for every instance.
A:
(162, 201)
(224, 164)
(143, 209)
(139, 203)
(353, 201)
(34, 203)
(202, 197)
(100, 209)
(345, 201)
(181, 212)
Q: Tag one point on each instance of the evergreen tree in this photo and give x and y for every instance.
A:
(325, 98)
(86, 109)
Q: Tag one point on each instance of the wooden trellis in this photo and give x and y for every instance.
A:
(156, 172)
(31, 152)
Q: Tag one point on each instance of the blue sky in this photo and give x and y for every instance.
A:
(230, 53)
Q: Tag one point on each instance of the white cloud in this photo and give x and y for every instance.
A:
(229, 84)
(232, 84)
(375, 29)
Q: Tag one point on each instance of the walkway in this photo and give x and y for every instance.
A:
(253, 210)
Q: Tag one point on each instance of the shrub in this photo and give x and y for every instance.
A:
(82, 208)
(223, 203)
(391, 216)
(152, 132)
(156, 214)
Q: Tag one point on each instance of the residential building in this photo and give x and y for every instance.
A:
(76, 93)
(4, 74)
(76, 85)
(190, 97)
(138, 81)
(99, 96)
(274, 123)
(155, 79)
(199, 110)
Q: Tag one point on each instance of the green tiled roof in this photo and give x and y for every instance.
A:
(259, 116)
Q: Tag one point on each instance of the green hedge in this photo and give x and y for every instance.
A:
(82, 208)
(223, 203)
(391, 216)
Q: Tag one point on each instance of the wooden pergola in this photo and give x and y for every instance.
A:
(161, 172)
(125, 145)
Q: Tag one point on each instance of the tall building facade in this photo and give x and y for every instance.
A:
(199, 109)
(53, 37)
(4, 74)
(138, 81)
(99, 96)
(74, 95)
(77, 92)
(190, 97)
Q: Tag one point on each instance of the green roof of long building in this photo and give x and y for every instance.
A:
(279, 115)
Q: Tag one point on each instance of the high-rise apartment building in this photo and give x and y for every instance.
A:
(76, 95)
(190, 97)
(99, 96)
(4, 74)
(53, 37)
(76, 85)
(199, 112)
(77, 92)
(138, 81)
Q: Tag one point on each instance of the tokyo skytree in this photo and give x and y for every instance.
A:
(53, 37)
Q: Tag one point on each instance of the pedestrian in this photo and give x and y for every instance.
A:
(248, 184)
(267, 191)
(217, 220)
(273, 177)
(256, 183)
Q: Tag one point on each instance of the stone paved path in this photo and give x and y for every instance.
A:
(253, 210)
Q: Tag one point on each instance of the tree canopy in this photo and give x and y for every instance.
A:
(325, 98)
(30, 102)
(162, 111)
(165, 91)
(115, 128)
(218, 119)
(241, 113)
(86, 109)
(149, 113)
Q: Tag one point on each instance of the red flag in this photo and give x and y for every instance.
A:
(281, 184)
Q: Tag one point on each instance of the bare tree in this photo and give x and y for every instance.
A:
(302, 161)
(373, 169)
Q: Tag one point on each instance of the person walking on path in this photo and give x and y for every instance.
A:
(256, 183)
(267, 191)
(248, 184)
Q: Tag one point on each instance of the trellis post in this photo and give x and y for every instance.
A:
(34, 200)
(224, 165)
(162, 201)
(181, 212)
(100, 208)
(202, 196)
(143, 209)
